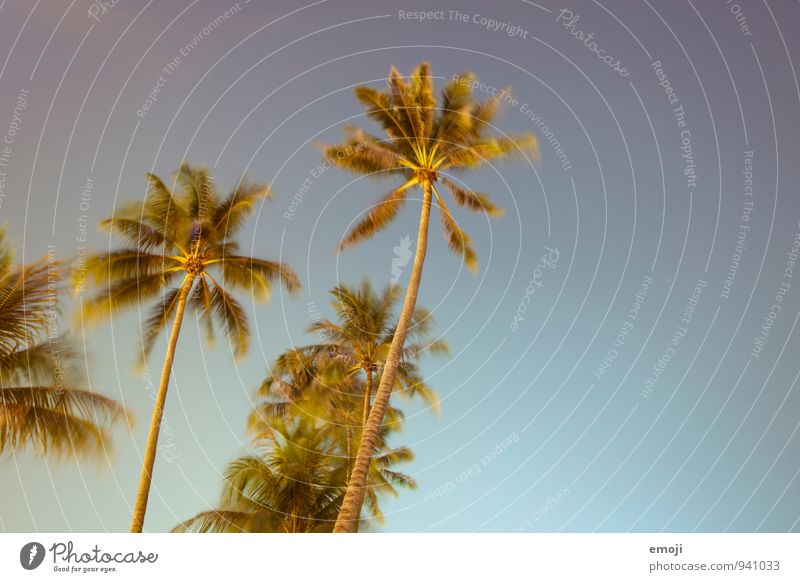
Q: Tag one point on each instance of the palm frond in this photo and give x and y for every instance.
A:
(476, 154)
(28, 302)
(257, 275)
(161, 313)
(199, 192)
(56, 421)
(105, 268)
(378, 217)
(55, 360)
(164, 211)
(124, 294)
(216, 521)
(232, 317)
(458, 240)
(475, 201)
(229, 215)
(136, 233)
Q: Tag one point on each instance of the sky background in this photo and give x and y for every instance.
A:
(712, 447)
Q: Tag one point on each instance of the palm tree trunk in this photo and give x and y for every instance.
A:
(356, 487)
(365, 417)
(349, 443)
(137, 523)
(367, 397)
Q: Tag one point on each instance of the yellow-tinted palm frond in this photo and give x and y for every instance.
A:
(364, 153)
(202, 304)
(160, 315)
(217, 521)
(56, 421)
(162, 210)
(257, 275)
(106, 268)
(475, 201)
(455, 121)
(379, 107)
(410, 384)
(474, 155)
(458, 240)
(27, 303)
(124, 294)
(234, 319)
(6, 254)
(41, 403)
(366, 158)
(229, 216)
(199, 191)
(52, 360)
(138, 234)
(378, 217)
(424, 96)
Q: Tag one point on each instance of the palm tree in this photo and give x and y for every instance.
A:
(422, 144)
(295, 480)
(174, 241)
(361, 338)
(40, 403)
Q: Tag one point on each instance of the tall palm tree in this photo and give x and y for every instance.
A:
(41, 404)
(295, 480)
(423, 144)
(175, 240)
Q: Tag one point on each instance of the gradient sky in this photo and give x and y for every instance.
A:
(531, 437)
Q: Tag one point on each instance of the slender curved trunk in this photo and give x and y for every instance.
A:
(365, 416)
(349, 444)
(137, 523)
(356, 487)
(367, 397)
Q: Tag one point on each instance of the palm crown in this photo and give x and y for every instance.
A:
(362, 333)
(183, 237)
(424, 144)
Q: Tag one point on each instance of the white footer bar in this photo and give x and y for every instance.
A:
(390, 557)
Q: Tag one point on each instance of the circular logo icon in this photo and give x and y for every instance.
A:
(31, 555)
